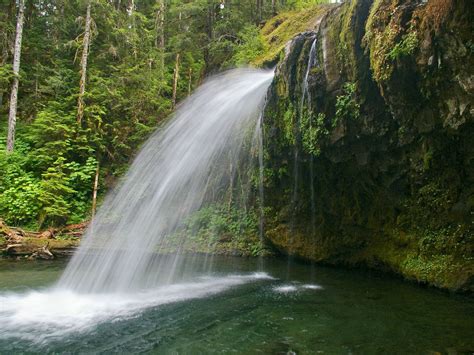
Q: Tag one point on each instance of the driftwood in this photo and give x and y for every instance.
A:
(12, 235)
(30, 252)
(15, 234)
(42, 253)
(12, 247)
(21, 243)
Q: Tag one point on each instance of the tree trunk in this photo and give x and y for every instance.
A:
(85, 55)
(210, 35)
(160, 35)
(274, 12)
(175, 80)
(258, 12)
(130, 7)
(94, 191)
(162, 26)
(3, 60)
(16, 79)
(190, 78)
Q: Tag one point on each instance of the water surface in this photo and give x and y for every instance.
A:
(237, 309)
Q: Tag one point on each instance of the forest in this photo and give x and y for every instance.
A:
(84, 83)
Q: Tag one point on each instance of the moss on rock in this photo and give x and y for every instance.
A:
(281, 29)
(390, 182)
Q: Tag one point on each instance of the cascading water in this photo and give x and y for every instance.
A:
(168, 180)
(312, 61)
(305, 97)
(182, 166)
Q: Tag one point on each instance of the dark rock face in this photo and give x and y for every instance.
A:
(374, 164)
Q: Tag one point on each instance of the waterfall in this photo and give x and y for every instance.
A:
(121, 267)
(311, 62)
(304, 95)
(178, 169)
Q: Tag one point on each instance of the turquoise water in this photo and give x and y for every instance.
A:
(301, 309)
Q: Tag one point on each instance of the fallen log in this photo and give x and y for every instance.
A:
(16, 234)
(42, 253)
(78, 226)
(12, 247)
(60, 241)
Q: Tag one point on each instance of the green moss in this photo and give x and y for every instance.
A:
(401, 253)
(282, 28)
(52, 243)
(382, 43)
(316, 71)
(387, 39)
(405, 47)
(345, 48)
(427, 159)
(371, 20)
(289, 120)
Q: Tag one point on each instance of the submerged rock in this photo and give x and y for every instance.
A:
(377, 167)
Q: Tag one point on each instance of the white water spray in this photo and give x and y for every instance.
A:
(171, 177)
(117, 270)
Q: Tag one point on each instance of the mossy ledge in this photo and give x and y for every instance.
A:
(376, 166)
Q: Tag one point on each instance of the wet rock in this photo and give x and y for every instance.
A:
(387, 154)
(425, 121)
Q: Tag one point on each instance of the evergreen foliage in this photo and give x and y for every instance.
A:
(134, 47)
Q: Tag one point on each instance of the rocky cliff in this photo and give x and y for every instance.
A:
(369, 139)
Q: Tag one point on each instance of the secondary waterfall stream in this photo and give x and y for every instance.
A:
(182, 166)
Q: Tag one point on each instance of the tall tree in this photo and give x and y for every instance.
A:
(259, 11)
(94, 191)
(190, 79)
(160, 33)
(84, 58)
(16, 78)
(175, 80)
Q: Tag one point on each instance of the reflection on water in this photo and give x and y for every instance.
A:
(303, 309)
